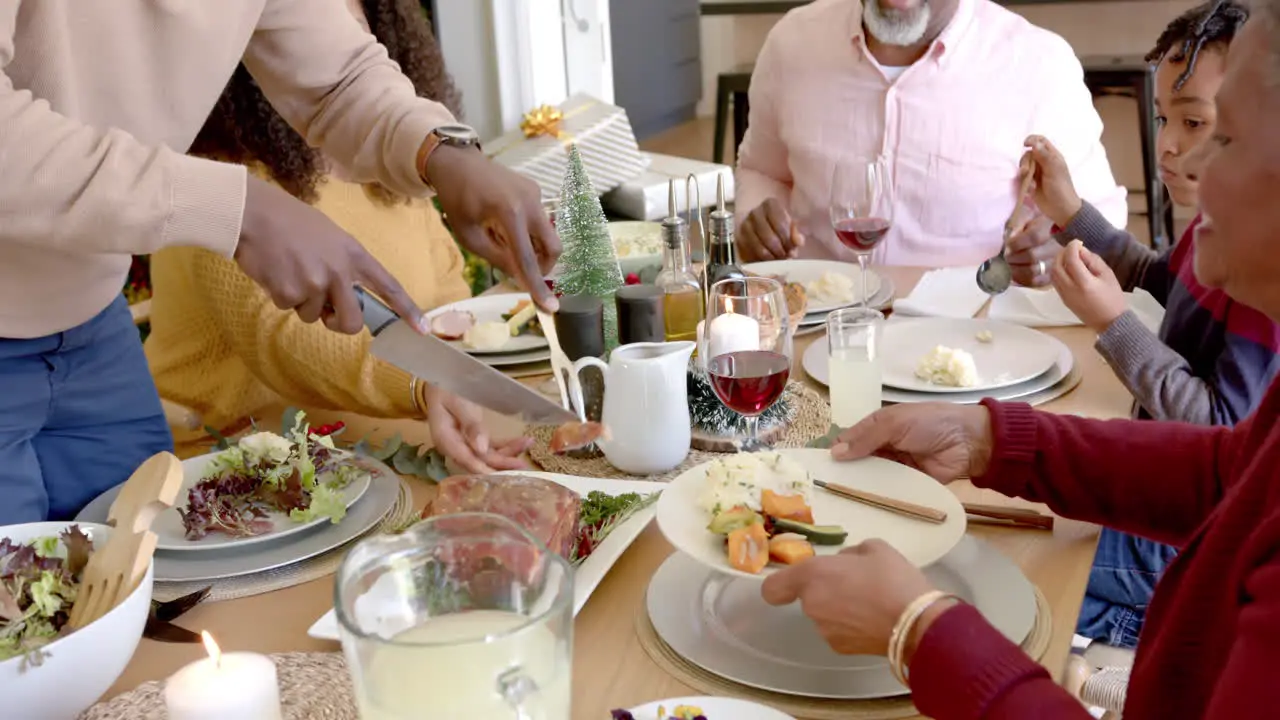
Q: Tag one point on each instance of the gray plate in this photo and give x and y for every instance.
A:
(881, 300)
(368, 511)
(721, 624)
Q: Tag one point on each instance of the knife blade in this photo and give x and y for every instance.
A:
(431, 359)
(165, 631)
(173, 609)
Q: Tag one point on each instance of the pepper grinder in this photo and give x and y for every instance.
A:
(580, 330)
(640, 314)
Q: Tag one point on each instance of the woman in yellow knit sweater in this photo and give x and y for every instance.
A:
(220, 346)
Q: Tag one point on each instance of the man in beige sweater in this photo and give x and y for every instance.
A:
(98, 102)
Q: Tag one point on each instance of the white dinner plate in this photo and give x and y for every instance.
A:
(683, 521)
(1014, 355)
(522, 358)
(815, 366)
(637, 243)
(171, 535)
(587, 575)
(807, 271)
(713, 708)
(491, 308)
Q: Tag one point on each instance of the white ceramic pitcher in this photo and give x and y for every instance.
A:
(646, 405)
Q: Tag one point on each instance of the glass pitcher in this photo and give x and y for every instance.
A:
(462, 617)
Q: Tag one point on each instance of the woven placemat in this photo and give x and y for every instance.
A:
(313, 686)
(812, 420)
(804, 708)
(296, 574)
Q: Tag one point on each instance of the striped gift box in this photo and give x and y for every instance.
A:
(604, 138)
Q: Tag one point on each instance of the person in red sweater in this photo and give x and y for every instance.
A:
(1211, 645)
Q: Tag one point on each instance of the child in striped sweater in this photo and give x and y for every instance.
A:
(1213, 358)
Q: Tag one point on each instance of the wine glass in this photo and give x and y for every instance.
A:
(748, 342)
(861, 209)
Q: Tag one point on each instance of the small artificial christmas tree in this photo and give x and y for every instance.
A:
(588, 264)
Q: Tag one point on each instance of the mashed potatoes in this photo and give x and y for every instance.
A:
(830, 289)
(739, 480)
(948, 366)
(487, 336)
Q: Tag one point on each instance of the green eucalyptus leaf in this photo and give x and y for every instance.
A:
(220, 442)
(827, 440)
(286, 422)
(405, 459)
(389, 449)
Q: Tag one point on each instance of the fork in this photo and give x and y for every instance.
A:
(119, 565)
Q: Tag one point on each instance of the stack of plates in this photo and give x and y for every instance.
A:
(218, 556)
(1017, 362)
(521, 350)
(807, 272)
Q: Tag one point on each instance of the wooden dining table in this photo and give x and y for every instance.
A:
(610, 668)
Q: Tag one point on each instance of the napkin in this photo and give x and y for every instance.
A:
(1044, 308)
(948, 292)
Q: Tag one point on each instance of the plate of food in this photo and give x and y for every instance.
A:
(489, 324)
(589, 521)
(700, 708)
(750, 514)
(950, 355)
(638, 244)
(829, 284)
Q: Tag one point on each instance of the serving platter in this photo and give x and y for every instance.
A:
(237, 560)
(1015, 354)
(491, 308)
(590, 572)
(171, 534)
(814, 363)
(721, 624)
(683, 520)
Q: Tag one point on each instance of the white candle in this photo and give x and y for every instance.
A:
(702, 344)
(732, 332)
(221, 687)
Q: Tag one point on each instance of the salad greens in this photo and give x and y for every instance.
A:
(600, 513)
(38, 585)
(300, 473)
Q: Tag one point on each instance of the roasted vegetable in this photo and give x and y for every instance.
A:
(787, 507)
(726, 521)
(790, 548)
(816, 534)
(749, 549)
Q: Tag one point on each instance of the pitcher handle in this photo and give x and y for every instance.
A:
(575, 385)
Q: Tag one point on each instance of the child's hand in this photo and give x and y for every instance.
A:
(1052, 189)
(1088, 287)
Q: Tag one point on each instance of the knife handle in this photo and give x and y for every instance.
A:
(377, 316)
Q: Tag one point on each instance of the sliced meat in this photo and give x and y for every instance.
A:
(576, 435)
(452, 324)
(546, 510)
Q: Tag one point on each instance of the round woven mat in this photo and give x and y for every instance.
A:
(812, 421)
(313, 686)
(805, 708)
(319, 566)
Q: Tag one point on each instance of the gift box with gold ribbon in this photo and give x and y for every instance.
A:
(539, 149)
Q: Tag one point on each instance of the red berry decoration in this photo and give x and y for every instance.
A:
(632, 279)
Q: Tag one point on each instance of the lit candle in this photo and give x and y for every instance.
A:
(702, 344)
(732, 332)
(235, 685)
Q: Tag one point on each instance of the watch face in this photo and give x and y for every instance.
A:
(457, 135)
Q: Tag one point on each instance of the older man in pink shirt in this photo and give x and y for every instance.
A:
(945, 92)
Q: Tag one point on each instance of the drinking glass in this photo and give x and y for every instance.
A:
(748, 341)
(853, 364)
(861, 209)
(462, 617)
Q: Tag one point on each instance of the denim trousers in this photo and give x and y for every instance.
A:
(1121, 582)
(78, 414)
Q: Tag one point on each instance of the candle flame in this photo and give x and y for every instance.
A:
(211, 647)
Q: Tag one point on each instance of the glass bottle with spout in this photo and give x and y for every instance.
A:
(683, 300)
(722, 260)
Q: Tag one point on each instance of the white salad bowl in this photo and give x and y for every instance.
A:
(78, 668)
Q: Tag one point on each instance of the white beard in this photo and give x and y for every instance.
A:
(895, 27)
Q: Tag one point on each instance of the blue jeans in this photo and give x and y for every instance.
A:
(1123, 578)
(78, 414)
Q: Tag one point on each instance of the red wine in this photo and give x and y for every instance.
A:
(749, 381)
(861, 234)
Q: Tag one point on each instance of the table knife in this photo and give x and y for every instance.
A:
(165, 631)
(435, 361)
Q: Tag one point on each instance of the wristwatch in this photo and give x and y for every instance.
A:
(452, 135)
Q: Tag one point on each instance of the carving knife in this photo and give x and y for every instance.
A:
(431, 359)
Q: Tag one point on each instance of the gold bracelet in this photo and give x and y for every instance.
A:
(906, 625)
(417, 397)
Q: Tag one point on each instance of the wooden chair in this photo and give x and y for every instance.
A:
(178, 415)
(731, 88)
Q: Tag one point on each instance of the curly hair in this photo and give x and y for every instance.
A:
(244, 128)
(1213, 23)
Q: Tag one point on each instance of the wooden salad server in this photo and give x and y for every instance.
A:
(116, 568)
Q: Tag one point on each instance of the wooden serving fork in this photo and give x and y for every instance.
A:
(116, 568)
